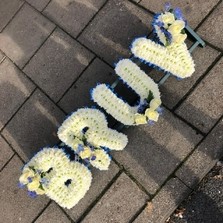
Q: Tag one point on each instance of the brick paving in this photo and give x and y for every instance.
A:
(52, 53)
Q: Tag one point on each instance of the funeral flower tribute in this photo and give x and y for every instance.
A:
(63, 173)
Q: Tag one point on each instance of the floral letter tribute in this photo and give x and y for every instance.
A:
(170, 53)
(86, 134)
(142, 84)
(50, 172)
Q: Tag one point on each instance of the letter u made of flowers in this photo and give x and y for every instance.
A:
(169, 51)
(147, 110)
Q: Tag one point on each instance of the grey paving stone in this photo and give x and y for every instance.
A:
(6, 152)
(39, 5)
(8, 10)
(100, 180)
(193, 10)
(79, 94)
(72, 15)
(205, 104)
(15, 204)
(119, 203)
(164, 203)
(154, 152)
(212, 28)
(173, 90)
(53, 214)
(15, 88)
(34, 126)
(57, 64)
(203, 158)
(114, 28)
(16, 40)
(1, 56)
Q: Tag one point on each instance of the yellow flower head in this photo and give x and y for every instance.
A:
(152, 115)
(176, 27)
(168, 18)
(180, 38)
(76, 142)
(140, 119)
(155, 103)
(24, 177)
(86, 153)
(34, 185)
(39, 191)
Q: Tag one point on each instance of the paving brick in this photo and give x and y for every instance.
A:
(153, 152)
(79, 94)
(53, 214)
(34, 126)
(16, 41)
(111, 32)
(212, 28)
(15, 88)
(164, 203)
(100, 180)
(173, 90)
(8, 10)
(119, 203)
(203, 158)
(205, 105)
(6, 152)
(194, 10)
(39, 5)
(57, 64)
(72, 15)
(1, 56)
(15, 204)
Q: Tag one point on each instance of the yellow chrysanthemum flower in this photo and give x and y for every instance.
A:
(34, 185)
(152, 115)
(86, 153)
(140, 119)
(168, 18)
(155, 103)
(176, 27)
(24, 177)
(39, 191)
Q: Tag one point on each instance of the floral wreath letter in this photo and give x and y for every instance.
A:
(148, 108)
(86, 132)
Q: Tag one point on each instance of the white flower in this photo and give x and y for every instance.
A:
(179, 38)
(140, 119)
(176, 27)
(152, 114)
(167, 18)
